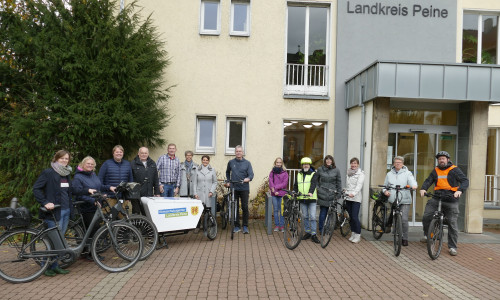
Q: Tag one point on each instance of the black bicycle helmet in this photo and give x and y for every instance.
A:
(443, 153)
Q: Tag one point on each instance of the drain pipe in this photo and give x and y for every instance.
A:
(362, 140)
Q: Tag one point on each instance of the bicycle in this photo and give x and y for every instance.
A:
(343, 217)
(397, 217)
(26, 253)
(209, 223)
(231, 205)
(379, 216)
(330, 220)
(294, 225)
(224, 208)
(435, 232)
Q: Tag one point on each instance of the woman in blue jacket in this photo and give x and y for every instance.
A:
(52, 187)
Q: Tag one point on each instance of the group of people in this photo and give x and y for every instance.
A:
(318, 187)
(169, 177)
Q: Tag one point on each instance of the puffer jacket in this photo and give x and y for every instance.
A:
(112, 173)
(354, 184)
(328, 179)
(402, 178)
(82, 182)
(146, 176)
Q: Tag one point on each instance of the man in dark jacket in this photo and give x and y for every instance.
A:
(146, 174)
(450, 182)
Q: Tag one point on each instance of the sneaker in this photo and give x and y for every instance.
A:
(236, 229)
(315, 239)
(424, 239)
(245, 230)
(352, 237)
(357, 238)
(405, 243)
(282, 228)
(50, 273)
(453, 252)
(276, 228)
(306, 236)
(58, 270)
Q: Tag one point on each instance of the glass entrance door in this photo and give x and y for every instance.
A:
(418, 149)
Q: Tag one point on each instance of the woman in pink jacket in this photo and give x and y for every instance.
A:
(278, 180)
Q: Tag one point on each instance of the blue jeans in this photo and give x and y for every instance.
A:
(309, 215)
(168, 190)
(353, 210)
(278, 215)
(63, 226)
(323, 210)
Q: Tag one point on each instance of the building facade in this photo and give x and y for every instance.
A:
(351, 78)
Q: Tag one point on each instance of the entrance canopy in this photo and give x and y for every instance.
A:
(417, 80)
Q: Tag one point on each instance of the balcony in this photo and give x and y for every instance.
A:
(307, 80)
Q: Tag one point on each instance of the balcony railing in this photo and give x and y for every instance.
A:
(306, 80)
(491, 189)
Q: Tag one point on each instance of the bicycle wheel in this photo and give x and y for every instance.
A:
(19, 261)
(224, 214)
(328, 228)
(398, 234)
(294, 230)
(210, 225)
(149, 234)
(378, 218)
(232, 217)
(345, 222)
(122, 255)
(74, 234)
(435, 238)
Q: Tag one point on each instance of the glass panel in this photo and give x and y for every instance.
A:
(210, 15)
(489, 40)
(299, 141)
(206, 132)
(426, 149)
(235, 133)
(391, 150)
(240, 17)
(491, 153)
(447, 142)
(421, 117)
(469, 39)
(406, 143)
(296, 34)
(318, 17)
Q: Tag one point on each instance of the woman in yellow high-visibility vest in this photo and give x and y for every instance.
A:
(306, 183)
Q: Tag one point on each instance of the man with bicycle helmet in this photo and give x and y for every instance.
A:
(305, 184)
(450, 182)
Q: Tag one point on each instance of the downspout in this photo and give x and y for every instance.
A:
(362, 140)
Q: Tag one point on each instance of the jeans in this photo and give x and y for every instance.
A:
(243, 195)
(309, 215)
(63, 226)
(353, 210)
(450, 210)
(168, 190)
(278, 215)
(323, 211)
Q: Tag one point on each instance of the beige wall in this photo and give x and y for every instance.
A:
(233, 76)
(494, 116)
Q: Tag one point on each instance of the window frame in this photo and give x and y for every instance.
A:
(204, 31)
(480, 14)
(203, 149)
(230, 150)
(231, 22)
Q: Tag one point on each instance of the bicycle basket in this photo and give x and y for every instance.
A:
(132, 191)
(379, 196)
(15, 217)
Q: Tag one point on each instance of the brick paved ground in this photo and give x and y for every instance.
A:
(259, 266)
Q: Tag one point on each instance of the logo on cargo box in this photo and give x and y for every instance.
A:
(194, 210)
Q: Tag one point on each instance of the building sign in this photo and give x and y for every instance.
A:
(415, 10)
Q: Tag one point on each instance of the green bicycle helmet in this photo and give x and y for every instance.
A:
(306, 160)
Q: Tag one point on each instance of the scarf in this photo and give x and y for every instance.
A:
(60, 169)
(188, 164)
(351, 172)
(277, 170)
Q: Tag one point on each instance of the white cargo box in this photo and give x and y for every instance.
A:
(171, 213)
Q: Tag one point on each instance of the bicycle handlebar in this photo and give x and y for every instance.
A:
(42, 208)
(395, 187)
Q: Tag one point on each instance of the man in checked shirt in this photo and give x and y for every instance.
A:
(169, 168)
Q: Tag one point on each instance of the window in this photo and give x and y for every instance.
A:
(240, 17)
(307, 50)
(303, 138)
(210, 17)
(480, 38)
(235, 134)
(205, 134)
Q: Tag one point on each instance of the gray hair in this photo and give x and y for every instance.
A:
(398, 158)
(188, 152)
